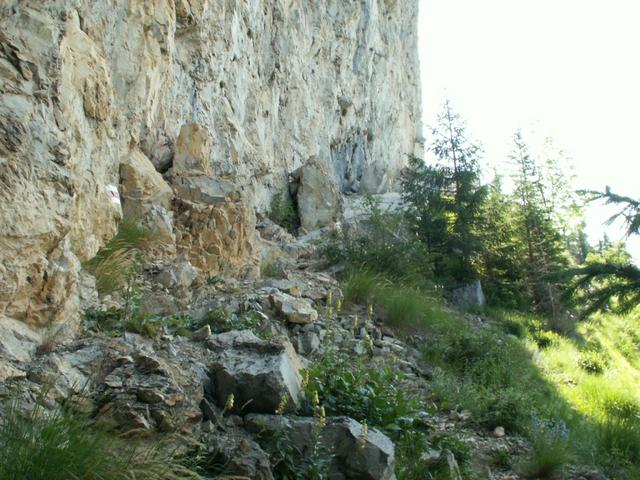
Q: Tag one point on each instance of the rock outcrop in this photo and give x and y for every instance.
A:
(195, 112)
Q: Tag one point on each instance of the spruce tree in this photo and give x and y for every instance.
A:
(534, 216)
(444, 199)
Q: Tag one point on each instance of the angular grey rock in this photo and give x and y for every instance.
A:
(318, 199)
(469, 296)
(201, 334)
(239, 453)
(294, 310)
(17, 341)
(178, 276)
(341, 439)
(308, 343)
(258, 373)
(205, 190)
(150, 394)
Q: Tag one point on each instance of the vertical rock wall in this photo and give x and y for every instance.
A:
(94, 89)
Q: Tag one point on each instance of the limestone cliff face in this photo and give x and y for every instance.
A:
(195, 112)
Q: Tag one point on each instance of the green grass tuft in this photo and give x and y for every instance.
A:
(63, 446)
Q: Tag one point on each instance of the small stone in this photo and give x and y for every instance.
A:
(431, 456)
(124, 360)
(498, 432)
(150, 396)
(208, 426)
(201, 334)
(294, 310)
(209, 411)
(113, 381)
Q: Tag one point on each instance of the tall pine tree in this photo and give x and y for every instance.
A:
(444, 199)
(542, 239)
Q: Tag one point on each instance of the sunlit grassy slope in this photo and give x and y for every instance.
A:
(596, 372)
(576, 396)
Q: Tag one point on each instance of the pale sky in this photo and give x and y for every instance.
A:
(569, 69)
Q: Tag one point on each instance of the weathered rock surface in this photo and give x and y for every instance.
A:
(144, 392)
(239, 453)
(318, 199)
(294, 310)
(341, 437)
(237, 92)
(469, 296)
(258, 373)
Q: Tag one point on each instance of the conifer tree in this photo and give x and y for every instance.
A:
(609, 280)
(445, 199)
(543, 241)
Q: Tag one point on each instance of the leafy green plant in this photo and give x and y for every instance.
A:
(550, 443)
(284, 213)
(360, 391)
(592, 362)
(501, 458)
(222, 320)
(292, 461)
(410, 445)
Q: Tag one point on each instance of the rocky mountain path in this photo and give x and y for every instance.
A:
(236, 388)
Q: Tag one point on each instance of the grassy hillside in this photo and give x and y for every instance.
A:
(575, 397)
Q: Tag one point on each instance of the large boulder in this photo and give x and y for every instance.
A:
(318, 199)
(354, 453)
(146, 199)
(258, 373)
(217, 238)
(144, 392)
(142, 186)
(469, 295)
(193, 151)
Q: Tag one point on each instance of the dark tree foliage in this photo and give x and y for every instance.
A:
(444, 199)
(629, 208)
(502, 268)
(607, 286)
(608, 280)
(545, 253)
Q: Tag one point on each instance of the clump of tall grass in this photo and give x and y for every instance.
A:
(62, 446)
(550, 443)
(118, 260)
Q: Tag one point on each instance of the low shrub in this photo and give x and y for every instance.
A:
(358, 390)
(284, 213)
(222, 320)
(591, 362)
(550, 443)
(382, 245)
(119, 260)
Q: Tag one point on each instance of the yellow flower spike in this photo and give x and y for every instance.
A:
(339, 306)
(362, 441)
(330, 298)
(355, 322)
(370, 311)
(305, 379)
(322, 417)
(315, 400)
(368, 342)
(229, 403)
(283, 404)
